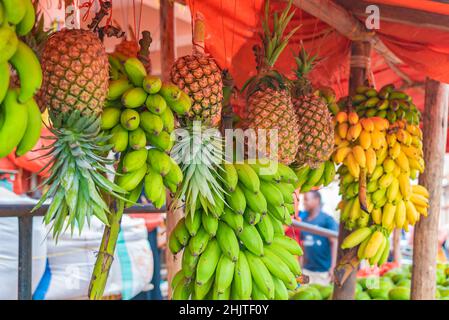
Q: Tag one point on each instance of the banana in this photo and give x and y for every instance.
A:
(341, 117)
(290, 260)
(119, 138)
(342, 130)
(152, 84)
(247, 177)
(384, 256)
(301, 174)
(289, 244)
(404, 186)
(207, 262)
(260, 274)
(134, 97)
(27, 22)
(210, 224)
(394, 151)
(234, 220)
(266, 170)
(163, 141)
(257, 294)
(280, 290)
(228, 241)
(386, 180)
(220, 296)
(353, 165)
(265, 228)
(29, 70)
(361, 249)
(286, 173)
(251, 217)
(354, 132)
(393, 190)
(382, 154)
(236, 200)
(201, 290)
(33, 130)
(420, 190)
(174, 175)
(375, 259)
(134, 195)
(278, 213)
(4, 79)
(402, 162)
(134, 160)
(329, 172)
(359, 156)
(193, 222)
(159, 161)
(388, 213)
(129, 181)
(411, 213)
(251, 239)
(183, 290)
(279, 269)
(13, 124)
(355, 211)
(229, 175)
(15, 10)
(170, 92)
(168, 120)
(136, 138)
(198, 243)
(255, 201)
(181, 106)
(278, 227)
(173, 244)
(419, 200)
(272, 194)
(371, 160)
(341, 154)
(153, 185)
(376, 215)
(224, 274)
(287, 191)
(218, 207)
(356, 237)
(242, 282)
(129, 119)
(189, 263)
(155, 104)
(118, 87)
(373, 244)
(176, 279)
(135, 71)
(389, 165)
(151, 123)
(110, 118)
(314, 176)
(400, 215)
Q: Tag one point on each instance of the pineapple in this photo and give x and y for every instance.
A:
(75, 68)
(200, 77)
(268, 96)
(316, 134)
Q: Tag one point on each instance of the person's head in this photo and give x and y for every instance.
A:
(312, 200)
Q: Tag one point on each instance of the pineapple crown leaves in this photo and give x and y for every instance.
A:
(304, 62)
(76, 178)
(200, 160)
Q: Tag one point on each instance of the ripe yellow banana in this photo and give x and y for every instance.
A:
(400, 215)
(404, 186)
(373, 244)
(419, 200)
(341, 154)
(365, 139)
(421, 190)
(359, 155)
(388, 213)
(412, 214)
(353, 165)
(356, 237)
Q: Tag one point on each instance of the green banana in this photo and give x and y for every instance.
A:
(26, 24)
(207, 262)
(220, 296)
(224, 274)
(29, 70)
(134, 195)
(218, 207)
(247, 177)
(198, 243)
(189, 263)
(210, 224)
(236, 200)
(329, 172)
(153, 185)
(289, 244)
(118, 87)
(280, 290)
(289, 259)
(137, 139)
(301, 174)
(287, 174)
(177, 278)
(201, 290)
(183, 289)
(168, 120)
(119, 138)
(14, 124)
(193, 222)
(4, 79)
(251, 239)
(134, 97)
(8, 42)
(33, 130)
(290, 208)
(151, 123)
(278, 227)
(255, 201)
(173, 244)
(242, 282)
(133, 160)
(256, 293)
(272, 194)
(156, 104)
(229, 175)
(315, 176)
(287, 191)
(227, 240)
(181, 106)
(152, 84)
(265, 228)
(279, 269)
(174, 175)
(15, 10)
(159, 161)
(181, 232)
(234, 220)
(128, 181)
(170, 92)
(163, 141)
(135, 70)
(251, 217)
(110, 118)
(266, 172)
(277, 213)
(260, 275)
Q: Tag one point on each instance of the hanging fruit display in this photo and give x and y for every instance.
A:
(268, 98)
(380, 153)
(21, 123)
(316, 128)
(232, 238)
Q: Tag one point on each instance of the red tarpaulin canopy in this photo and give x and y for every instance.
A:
(233, 27)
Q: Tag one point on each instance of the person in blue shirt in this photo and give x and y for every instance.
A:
(320, 253)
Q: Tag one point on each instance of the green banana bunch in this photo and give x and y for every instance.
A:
(309, 178)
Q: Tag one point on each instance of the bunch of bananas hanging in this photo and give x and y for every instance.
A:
(21, 122)
(239, 250)
(379, 157)
(309, 178)
(141, 113)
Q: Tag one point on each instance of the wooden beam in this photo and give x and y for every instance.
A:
(399, 14)
(347, 261)
(345, 23)
(426, 230)
(397, 256)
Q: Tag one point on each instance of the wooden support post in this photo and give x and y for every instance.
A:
(347, 262)
(167, 39)
(426, 230)
(397, 246)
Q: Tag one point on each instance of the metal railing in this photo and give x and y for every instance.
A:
(25, 217)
